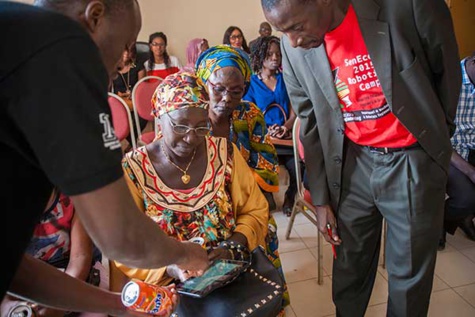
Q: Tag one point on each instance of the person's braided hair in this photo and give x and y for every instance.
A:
(261, 48)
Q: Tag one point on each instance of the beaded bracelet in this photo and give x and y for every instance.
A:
(238, 251)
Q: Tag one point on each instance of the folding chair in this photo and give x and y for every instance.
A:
(142, 102)
(121, 119)
(303, 201)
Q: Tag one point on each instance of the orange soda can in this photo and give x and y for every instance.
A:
(146, 298)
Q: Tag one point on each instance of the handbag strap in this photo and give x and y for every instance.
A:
(276, 105)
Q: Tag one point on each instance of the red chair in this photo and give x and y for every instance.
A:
(303, 201)
(121, 119)
(142, 102)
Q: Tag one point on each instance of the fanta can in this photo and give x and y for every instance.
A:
(146, 298)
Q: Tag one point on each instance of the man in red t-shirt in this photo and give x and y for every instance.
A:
(375, 83)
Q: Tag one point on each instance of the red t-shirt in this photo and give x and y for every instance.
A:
(368, 118)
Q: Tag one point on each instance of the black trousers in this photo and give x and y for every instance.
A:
(461, 201)
(407, 188)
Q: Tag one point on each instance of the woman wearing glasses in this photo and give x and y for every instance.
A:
(235, 38)
(194, 186)
(160, 63)
(226, 72)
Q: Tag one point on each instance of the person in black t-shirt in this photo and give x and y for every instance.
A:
(55, 130)
(127, 74)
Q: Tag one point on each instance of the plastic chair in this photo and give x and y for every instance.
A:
(303, 201)
(121, 119)
(142, 102)
(143, 52)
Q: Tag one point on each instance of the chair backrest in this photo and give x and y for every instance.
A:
(143, 52)
(121, 119)
(298, 154)
(142, 99)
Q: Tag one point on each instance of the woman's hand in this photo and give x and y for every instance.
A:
(125, 95)
(279, 132)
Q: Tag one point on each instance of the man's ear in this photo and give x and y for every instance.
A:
(93, 14)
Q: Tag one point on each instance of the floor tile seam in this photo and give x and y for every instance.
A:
(463, 298)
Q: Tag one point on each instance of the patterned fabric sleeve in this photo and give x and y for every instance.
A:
(255, 146)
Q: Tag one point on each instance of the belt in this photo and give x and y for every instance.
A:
(388, 150)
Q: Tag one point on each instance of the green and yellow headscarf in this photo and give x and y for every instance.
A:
(220, 56)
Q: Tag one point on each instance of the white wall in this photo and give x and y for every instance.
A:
(182, 20)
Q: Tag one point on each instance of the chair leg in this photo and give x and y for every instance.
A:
(320, 258)
(295, 210)
(384, 236)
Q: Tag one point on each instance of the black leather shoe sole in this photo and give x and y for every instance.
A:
(469, 229)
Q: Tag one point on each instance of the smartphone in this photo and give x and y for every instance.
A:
(220, 273)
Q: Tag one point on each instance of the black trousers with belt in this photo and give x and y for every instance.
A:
(407, 188)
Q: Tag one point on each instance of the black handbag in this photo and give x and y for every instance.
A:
(258, 291)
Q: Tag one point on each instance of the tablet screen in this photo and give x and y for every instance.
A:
(217, 275)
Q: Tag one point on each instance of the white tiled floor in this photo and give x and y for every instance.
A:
(454, 283)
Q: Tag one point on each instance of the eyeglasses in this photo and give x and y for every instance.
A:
(235, 37)
(221, 91)
(184, 129)
(158, 44)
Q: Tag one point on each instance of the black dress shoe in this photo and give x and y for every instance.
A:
(468, 227)
(287, 207)
(270, 200)
(442, 240)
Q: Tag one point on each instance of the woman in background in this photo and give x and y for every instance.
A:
(195, 47)
(226, 72)
(234, 37)
(160, 63)
(267, 90)
(127, 74)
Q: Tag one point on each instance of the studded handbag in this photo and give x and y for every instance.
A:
(257, 291)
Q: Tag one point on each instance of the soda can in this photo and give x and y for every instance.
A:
(146, 298)
(21, 310)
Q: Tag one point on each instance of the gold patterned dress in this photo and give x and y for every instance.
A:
(227, 200)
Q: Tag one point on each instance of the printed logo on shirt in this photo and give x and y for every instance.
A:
(109, 137)
(342, 90)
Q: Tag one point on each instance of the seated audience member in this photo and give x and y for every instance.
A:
(226, 72)
(160, 63)
(60, 240)
(194, 48)
(460, 204)
(124, 82)
(234, 37)
(264, 30)
(191, 184)
(267, 90)
(127, 74)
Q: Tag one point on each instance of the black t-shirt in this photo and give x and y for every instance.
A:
(131, 78)
(55, 122)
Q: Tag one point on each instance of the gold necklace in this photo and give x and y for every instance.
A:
(126, 83)
(185, 178)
